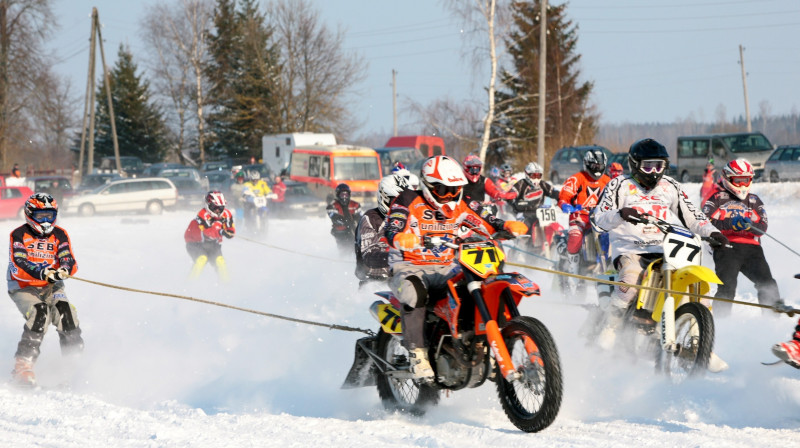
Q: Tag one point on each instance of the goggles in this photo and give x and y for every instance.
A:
(446, 193)
(216, 208)
(474, 170)
(596, 167)
(656, 166)
(42, 216)
(344, 196)
(535, 175)
(740, 181)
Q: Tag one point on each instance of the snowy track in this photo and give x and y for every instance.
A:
(161, 372)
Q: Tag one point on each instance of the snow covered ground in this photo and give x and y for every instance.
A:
(163, 372)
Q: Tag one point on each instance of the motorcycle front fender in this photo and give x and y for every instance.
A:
(682, 279)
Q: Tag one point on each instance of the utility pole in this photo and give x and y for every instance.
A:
(542, 79)
(90, 102)
(744, 83)
(394, 100)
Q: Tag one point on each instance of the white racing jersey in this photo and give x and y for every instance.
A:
(666, 201)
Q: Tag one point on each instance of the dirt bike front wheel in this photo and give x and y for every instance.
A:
(694, 332)
(532, 401)
(397, 394)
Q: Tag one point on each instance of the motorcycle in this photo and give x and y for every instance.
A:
(676, 330)
(256, 211)
(540, 244)
(476, 333)
(590, 262)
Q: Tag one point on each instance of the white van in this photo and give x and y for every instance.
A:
(147, 195)
(277, 148)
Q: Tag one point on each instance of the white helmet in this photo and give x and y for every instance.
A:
(412, 181)
(534, 172)
(390, 187)
(442, 183)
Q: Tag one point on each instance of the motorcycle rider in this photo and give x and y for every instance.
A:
(345, 214)
(741, 217)
(204, 234)
(478, 186)
(372, 249)
(41, 259)
(578, 197)
(531, 192)
(254, 187)
(645, 191)
(505, 182)
(437, 208)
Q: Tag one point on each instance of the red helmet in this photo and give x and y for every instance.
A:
(215, 203)
(40, 213)
(737, 176)
(614, 170)
(472, 167)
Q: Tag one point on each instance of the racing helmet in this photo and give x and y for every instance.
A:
(534, 172)
(614, 170)
(253, 175)
(442, 183)
(390, 187)
(343, 194)
(40, 213)
(737, 176)
(412, 181)
(594, 163)
(472, 168)
(505, 171)
(648, 160)
(215, 203)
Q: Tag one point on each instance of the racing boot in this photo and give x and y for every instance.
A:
(22, 374)
(608, 334)
(222, 269)
(789, 352)
(420, 366)
(198, 266)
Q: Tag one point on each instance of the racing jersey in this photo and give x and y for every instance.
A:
(372, 248)
(259, 188)
(722, 206)
(581, 189)
(666, 201)
(475, 193)
(411, 213)
(30, 255)
(531, 196)
(344, 218)
(206, 227)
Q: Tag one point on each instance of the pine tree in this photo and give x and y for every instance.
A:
(140, 127)
(243, 72)
(569, 120)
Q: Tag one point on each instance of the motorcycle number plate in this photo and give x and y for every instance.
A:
(681, 250)
(482, 258)
(260, 201)
(546, 215)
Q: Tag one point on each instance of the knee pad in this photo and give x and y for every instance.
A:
(37, 317)
(67, 318)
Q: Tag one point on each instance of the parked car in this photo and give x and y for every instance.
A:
(569, 160)
(218, 165)
(219, 180)
(191, 193)
(132, 166)
(299, 202)
(184, 173)
(12, 202)
(783, 164)
(152, 170)
(150, 195)
(92, 181)
(59, 187)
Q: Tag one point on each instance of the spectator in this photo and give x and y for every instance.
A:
(15, 179)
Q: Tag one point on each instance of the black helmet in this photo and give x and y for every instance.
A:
(343, 194)
(648, 174)
(594, 162)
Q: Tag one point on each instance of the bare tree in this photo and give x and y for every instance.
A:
(485, 21)
(52, 111)
(176, 36)
(317, 74)
(24, 26)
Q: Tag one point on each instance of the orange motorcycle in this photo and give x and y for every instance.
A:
(475, 332)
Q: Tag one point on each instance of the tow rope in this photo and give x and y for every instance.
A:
(233, 307)
(292, 251)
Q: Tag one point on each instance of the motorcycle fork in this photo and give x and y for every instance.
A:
(493, 335)
(668, 314)
(530, 346)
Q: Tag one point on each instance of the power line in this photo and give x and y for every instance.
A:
(696, 30)
(666, 19)
(671, 5)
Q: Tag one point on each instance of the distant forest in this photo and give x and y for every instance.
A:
(779, 129)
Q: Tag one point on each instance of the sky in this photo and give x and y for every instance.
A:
(654, 61)
(163, 372)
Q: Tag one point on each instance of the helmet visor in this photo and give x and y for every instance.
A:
(216, 209)
(655, 166)
(474, 170)
(44, 216)
(535, 176)
(446, 193)
(740, 181)
(344, 196)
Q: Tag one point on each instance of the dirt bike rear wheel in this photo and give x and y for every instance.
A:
(401, 395)
(532, 402)
(694, 331)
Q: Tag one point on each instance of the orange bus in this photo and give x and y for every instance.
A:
(325, 167)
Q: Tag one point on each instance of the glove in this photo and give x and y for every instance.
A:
(510, 195)
(226, 233)
(516, 227)
(631, 215)
(718, 239)
(62, 274)
(741, 223)
(49, 274)
(566, 208)
(406, 241)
